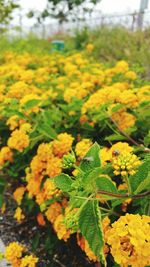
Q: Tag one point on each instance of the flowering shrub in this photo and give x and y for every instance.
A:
(74, 143)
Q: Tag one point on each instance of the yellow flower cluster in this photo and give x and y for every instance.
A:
(53, 211)
(18, 140)
(129, 240)
(29, 261)
(14, 254)
(18, 194)
(62, 145)
(5, 155)
(47, 163)
(13, 122)
(123, 119)
(82, 148)
(56, 214)
(126, 163)
(107, 154)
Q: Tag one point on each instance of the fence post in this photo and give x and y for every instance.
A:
(143, 6)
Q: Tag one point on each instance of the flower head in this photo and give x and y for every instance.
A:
(129, 240)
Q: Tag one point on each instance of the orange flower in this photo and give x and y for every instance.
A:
(40, 219)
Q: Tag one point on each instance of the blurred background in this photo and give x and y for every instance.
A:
(45, 18)
(117, 29)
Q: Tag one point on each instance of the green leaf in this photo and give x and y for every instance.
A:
(89, 179)
(47, 131)
(147, 139)
(2, 181)
(63, 182)
(31, 103)
(140, 175)
(91, 159)
(36, 241)
(91, 228)
(1, 200)
(115, 137)
(144, 185)
(104, 183)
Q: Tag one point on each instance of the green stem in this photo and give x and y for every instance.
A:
(128, 184)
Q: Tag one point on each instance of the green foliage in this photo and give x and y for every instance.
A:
(140, 180)
(63, 182)
(6, 9)
(91, 159)
(90, 226)
(104, 183)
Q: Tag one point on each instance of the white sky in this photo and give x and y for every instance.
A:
(105, 6)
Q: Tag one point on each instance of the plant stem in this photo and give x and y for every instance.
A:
(117, 195)
(128, 184)
(125, 134)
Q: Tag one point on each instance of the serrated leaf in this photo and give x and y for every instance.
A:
(91, 228)
(144, 185)
(142, 173)
(63, 182)
(104, 183)
(91, 159)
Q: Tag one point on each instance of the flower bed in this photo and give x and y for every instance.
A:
(74, 150)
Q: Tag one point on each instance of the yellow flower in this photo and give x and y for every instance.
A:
(125, 163)
(33, 187)
(121, 67)
(123, 119)
(13, 122)
(29, 261)
(25, 127)
(60, 228)
(18, 194)
(54, 167)
(19, 216)
(129, 240)
(130, 75)
(18, 140)
(107, 154)
(5, 155)
(49, 189)
(53, 211)
(13, 251)
(62, 145)
(89, 47)
(82, 147)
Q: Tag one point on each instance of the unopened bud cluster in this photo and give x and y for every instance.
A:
(126, 164)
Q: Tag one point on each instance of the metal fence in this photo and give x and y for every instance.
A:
(46, 30)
